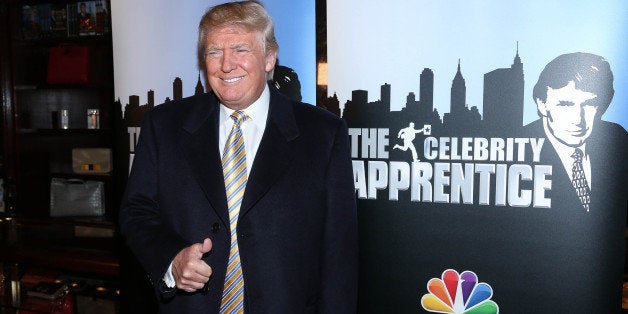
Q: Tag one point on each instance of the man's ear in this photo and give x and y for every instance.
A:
(271, 60)
(540, 108)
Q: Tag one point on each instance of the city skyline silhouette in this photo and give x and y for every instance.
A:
(502, 109)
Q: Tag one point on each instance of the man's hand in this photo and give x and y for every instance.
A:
(190, 272)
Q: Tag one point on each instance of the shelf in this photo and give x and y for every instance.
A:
(84, 221)
(73, 234)
(61, 243)
(25, 88)
(86, 176)
(64, 131)
(93, 261)
(51, 40)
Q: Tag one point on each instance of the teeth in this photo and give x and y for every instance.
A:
(231, 80)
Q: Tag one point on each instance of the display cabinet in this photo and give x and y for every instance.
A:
(46, 114)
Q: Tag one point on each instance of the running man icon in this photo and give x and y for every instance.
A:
(408, 135)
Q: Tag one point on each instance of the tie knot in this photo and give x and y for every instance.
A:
(577, 155)
(238, 117)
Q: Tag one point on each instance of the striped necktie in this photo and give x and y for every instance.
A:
(234, 171)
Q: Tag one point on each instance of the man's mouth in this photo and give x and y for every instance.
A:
(233, 80)
(578, 132)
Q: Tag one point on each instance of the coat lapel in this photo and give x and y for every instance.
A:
(562, 193)
(199, 142)
(275, 152)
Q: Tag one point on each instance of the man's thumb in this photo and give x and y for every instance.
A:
(207, 246)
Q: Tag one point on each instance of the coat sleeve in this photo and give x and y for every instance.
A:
(149, 238)
(340, 247)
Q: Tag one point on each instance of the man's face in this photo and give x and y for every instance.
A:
(236, 64)
(570, 113)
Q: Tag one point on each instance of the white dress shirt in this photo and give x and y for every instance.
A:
(252, 131)
(252, 128)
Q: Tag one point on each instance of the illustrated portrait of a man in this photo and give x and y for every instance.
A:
(581, 254)
(571, 95)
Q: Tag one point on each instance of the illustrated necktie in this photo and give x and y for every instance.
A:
(579, 181)
(234, 171)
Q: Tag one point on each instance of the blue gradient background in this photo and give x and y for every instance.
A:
(372, 42)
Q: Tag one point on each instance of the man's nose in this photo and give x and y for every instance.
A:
(580, 121)
(228, 63)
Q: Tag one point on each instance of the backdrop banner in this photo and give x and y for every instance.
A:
(488, 143)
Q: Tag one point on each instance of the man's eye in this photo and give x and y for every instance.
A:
(213, 54)
(565, 103)
(591, 102)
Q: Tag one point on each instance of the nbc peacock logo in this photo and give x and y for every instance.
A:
(459, 294)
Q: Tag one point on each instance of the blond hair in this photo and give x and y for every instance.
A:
(251, 15)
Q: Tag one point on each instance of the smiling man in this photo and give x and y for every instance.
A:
(241, 200)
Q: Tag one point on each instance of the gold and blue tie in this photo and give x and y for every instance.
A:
(579, 180)
(234, 171)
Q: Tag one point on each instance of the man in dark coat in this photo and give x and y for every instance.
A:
(292, 242)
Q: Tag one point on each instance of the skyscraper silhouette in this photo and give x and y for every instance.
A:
(503, 97)
(461, 120)
(199, 86)
(151, 98)
(177, 88)
(458, 93)
(385, 96)
(426, 96)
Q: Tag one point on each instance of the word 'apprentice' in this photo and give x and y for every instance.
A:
(464, 170)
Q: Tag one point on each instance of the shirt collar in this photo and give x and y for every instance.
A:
(257, 112)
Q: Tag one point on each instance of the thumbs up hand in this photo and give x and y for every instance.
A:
(190, 272)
